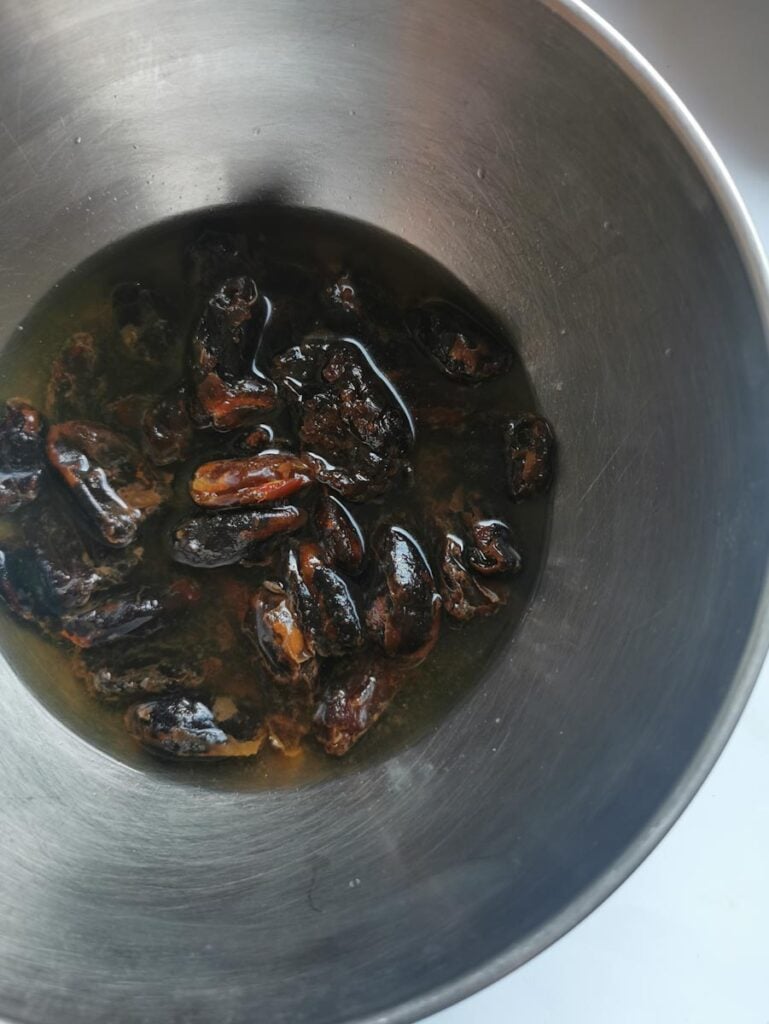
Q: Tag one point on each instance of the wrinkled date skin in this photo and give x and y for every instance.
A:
(132, 613)
(460, 346)
(136, 674)
(113, 485)
(74, 382)
(142, 322)
(326, 601)
(226, 538)
(491, 549)
(51, 571)
(66, 573)
(530, 450)
(167, 429)
(273, 625)
(230, 391)
(20, 587)
(22, 455)
(186, 727)
(403, 614)
(340, 536)
(353, 425)
(352, 701)
(464, 597)
(258, 480)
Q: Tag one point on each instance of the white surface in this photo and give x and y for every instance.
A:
(684, 940)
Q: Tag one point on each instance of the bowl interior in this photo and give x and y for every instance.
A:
(498, 139)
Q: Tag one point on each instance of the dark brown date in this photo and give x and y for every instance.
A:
(352, 701)
(225, 538)
(142, 320)
(464, 349)
(491, 549)
(51, 570)
(19, 585)
(340, 536)
(186, 727)
(134, 674)
(403, 614)
(258, 480)
(67, 574)
(135, 613)
(464, 596)
(353, 425)
(74, 382)
(229, 405)
(530, 448)
(326, 602)
(167, 429)
(230, 391)
(22, 455)
(273, 625)
(108, 478)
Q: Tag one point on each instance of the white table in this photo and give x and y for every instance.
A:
(685, 940)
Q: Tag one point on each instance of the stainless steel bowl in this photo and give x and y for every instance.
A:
(533, 153)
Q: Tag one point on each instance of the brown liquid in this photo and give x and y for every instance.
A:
(458, 446)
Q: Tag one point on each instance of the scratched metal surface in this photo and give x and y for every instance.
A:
(500, 139)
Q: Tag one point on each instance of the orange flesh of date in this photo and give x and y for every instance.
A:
(253, 481)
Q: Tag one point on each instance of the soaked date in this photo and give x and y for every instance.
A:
(131, 674)
(230, 390)
(22, 455)
(167, 429)
(187, 727)
(273, 625)
(353, 701)
(459, 345)
(530, 451)
(353, 425)
(339, 534)
(403, 614)
(226, 538)
(115, 488)
(464, 595)
(258, 480)
(134, 613)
